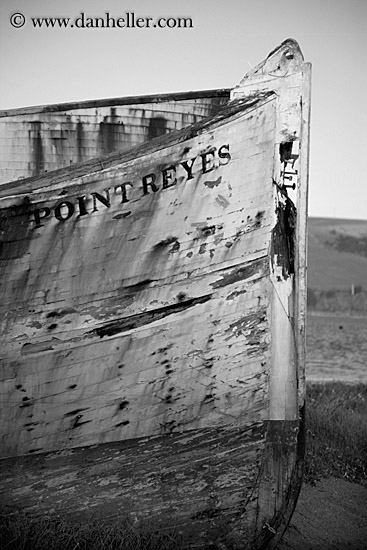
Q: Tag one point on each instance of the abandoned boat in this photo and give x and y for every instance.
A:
(153, 306)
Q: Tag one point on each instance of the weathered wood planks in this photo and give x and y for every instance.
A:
(155, 298)
(97, 285)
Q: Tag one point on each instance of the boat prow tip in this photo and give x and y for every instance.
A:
(284, 60)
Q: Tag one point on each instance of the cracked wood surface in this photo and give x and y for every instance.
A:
(103, 310)
(199, 478)
(147, 305)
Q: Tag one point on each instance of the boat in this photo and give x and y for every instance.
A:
(153, 306)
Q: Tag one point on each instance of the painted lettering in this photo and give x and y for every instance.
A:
(41, 214)
(104, 200)
(207, 161)
(122, 188)
(149, 181)
(64, 210)
(169, 176)
(153, 182)
(188, 167)
(224, 155)
(82, 208)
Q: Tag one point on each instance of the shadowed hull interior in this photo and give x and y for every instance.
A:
(35, 140)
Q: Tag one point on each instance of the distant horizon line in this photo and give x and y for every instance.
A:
(337, 218)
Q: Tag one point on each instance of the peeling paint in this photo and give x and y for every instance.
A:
(162, 316)
(252, 326)
(257, 267)
(135, 321)
(235, 294)
(213, 183)
(37, 347)
(283, 235)
(222, 201)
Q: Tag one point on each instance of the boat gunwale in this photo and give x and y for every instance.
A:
(115, 101)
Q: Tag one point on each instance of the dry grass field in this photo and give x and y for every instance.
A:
(331, 513)
(337, 253)
(336, 348)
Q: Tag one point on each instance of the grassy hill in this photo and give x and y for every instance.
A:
(337, 253)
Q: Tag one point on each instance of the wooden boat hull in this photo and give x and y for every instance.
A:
(154, 298)
(206, 483)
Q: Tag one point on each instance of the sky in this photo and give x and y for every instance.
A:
(54, 65)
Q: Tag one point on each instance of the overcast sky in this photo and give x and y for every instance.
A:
(50, 65)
